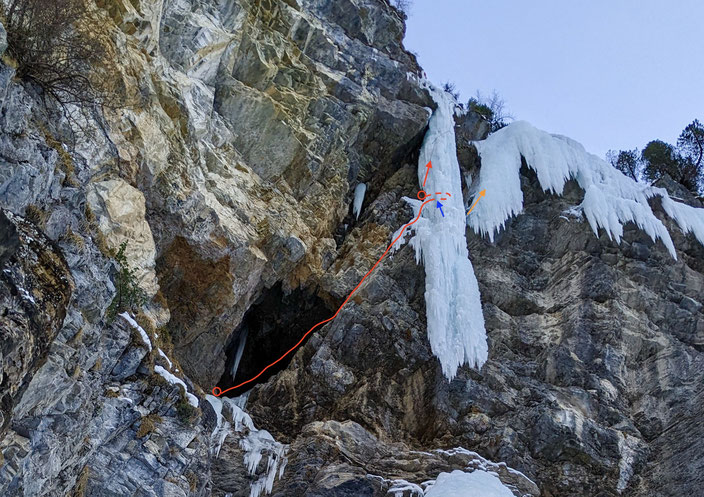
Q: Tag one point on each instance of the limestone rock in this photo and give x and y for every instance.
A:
(589, 341)
(3, 39)
(119, 209)
(230, 174)
(260, 118)
(35, 288)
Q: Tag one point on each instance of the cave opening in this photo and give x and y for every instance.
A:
(271, 326)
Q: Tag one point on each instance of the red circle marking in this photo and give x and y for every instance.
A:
(422, 195)
(218, 392)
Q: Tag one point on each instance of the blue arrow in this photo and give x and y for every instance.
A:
(439, 206)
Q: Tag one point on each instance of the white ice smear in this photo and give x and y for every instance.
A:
(26, 295)
(240, 350)
(461, 484)
(168, 361)
(455, 321)
(192, 399)
(255, 444)
(133, 324)
(611, 199)
(359, 192)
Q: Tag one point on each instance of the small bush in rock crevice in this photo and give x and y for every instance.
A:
(63, 47)
(148, 424)
(129, 294)
(186, 412)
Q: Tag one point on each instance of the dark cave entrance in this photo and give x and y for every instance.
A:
(272, 325)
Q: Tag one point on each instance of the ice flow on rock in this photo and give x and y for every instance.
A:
(455, 321)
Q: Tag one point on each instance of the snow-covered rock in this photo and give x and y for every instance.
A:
(174, 380)
(462, 484)
(143, 334)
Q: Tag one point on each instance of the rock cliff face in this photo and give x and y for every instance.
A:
(260, 120)
(590, 345)
(230, 175)
(35, 290)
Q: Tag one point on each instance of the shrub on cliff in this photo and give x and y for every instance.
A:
(450, 88)
(402, 5)
(61, 46)
(480, 108)
(492, 108)
(129, 294)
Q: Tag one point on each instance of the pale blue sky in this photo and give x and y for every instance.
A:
(608, 73)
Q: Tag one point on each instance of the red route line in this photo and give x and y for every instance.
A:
(428, 167)
(217, 391)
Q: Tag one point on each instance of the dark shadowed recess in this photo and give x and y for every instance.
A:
(274, 324)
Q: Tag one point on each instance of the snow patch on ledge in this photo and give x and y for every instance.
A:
(454, 313)
(192, 399)
(461, 484)
(611, 199)
(166, 358)
(142, 333)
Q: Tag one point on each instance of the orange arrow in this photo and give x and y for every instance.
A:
(481, 194)
(428, 166)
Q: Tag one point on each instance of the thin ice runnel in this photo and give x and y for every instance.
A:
(611, 199)
(359, 192)
(255, 443)
(453, 307)
(241, 342)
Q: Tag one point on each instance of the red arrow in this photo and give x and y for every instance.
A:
(428, 166)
